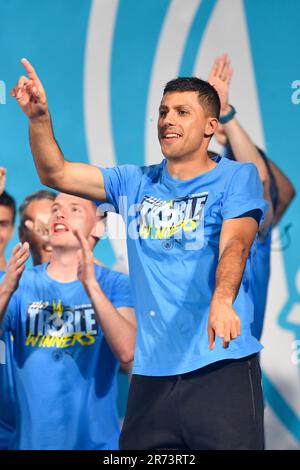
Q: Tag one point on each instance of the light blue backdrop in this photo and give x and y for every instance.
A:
(53, 34)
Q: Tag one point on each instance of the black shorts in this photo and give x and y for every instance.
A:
(219, 406)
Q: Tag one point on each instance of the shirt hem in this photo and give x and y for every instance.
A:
(139, 370)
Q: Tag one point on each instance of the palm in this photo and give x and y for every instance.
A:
(219, 77)
(32, 106)
(86, 268)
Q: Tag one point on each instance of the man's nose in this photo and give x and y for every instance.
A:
(170, 118)
(60, 213)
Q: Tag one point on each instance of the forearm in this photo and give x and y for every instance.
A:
(286, 191)
(119, 333)
(280, 210)
(243, 148)
(230, 271)
(48, 158)
(5, 296)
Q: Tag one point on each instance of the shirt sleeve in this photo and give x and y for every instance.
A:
(10, 317)
(121, 292)
(117, 180)
(245, 193)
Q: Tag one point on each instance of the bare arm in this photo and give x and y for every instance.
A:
(244, 149)
(236, 238)
(118, 325)
(242, 145)
(2, 179)
(75, 178)
(286, 192)
(13, 274)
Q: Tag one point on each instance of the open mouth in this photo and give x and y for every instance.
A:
(171, 136)
(60, 228)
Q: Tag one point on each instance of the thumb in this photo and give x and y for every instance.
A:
(29, 225)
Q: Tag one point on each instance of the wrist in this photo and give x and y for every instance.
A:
(227, 114)
(222, 298)
(7, 286)
(92, 286)
(41, 118)
(225, 110)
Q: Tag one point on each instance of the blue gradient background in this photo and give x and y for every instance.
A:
(53, 37)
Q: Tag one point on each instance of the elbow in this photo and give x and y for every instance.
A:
(292, 193)
(126, 356)
(52, 180)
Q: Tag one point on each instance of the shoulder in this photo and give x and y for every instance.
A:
(109, 275)
(233, 167)
(30, 275)
(239, 173)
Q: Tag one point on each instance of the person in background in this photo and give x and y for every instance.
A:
(7, 384)
(72, 322)
(34, 215)
(278, 190)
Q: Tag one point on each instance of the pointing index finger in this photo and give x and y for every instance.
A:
(29, 69)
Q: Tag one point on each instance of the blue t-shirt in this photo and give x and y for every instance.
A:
(260, 281)
(7, 393)
(173, 231)
(65, 372)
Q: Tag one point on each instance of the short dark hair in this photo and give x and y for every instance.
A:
(208, 96)
(36, 196)
(8, 201)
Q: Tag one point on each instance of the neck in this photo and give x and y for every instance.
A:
(2, 262)
(63, 265)
(189, 166)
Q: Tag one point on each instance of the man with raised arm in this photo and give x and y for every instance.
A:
(191, 222)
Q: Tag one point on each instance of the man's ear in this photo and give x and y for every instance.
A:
(211, 126)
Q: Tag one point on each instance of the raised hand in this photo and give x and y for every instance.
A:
(40, 229)
(16, 266)
(86, 269)
(2, 179)
(30, 94)
(219, 77)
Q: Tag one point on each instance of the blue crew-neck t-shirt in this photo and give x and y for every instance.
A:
(7, 392)
(173, 231)
(65, 372)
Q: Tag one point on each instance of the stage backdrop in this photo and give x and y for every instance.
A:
(104, 63)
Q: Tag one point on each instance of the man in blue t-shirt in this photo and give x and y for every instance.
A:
(7, 386)
(190, 223)
(72, 322)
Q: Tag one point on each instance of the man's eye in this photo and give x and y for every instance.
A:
(182, 112)
(162, 113)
